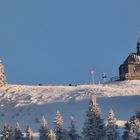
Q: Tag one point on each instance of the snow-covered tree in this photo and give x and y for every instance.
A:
(7, 133)
(73, 135)
(60, 132)
(51, 135)
(132, 128)
(18, 135)
(29, 134)
(112, 132)
(94, 128)
(2, 75)
(126, 133)
(43, 131)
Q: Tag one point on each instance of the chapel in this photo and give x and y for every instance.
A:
(130, 69)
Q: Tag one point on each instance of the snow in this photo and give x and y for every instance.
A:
(26, 104)
(121, 123)
(26, 95)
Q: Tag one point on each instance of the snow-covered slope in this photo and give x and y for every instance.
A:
(25, 95)
(26, 104)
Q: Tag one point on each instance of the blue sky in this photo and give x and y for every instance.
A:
(57, 42)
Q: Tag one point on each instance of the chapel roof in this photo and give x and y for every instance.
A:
(132, 58)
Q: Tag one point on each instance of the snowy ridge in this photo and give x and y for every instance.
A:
(26, 104)
(26, 95)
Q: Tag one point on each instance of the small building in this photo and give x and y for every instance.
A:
(130, 69)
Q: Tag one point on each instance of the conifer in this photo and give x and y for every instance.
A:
(61, 133)
(51, 135)
(73, 135)
(112, 132)
(43, 131)
(29, 134)
(18, 135)
(94, 128)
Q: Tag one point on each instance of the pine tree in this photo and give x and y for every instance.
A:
(112, 129)
(94, 128)
(132, 128)
(126, 133)
(60, 132)
(43, 131)
(51, 135)
(7, 133)
(18, 133)
(137, 122)
(29, 134)
(72, 131)
(2, 76)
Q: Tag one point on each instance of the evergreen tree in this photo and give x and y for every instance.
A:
(29, 134)
(94, 128)
(51, 135)
(60, 132)
(72, 131)
(2, 75)
(137, 122)
(132, 128)
(112, 132)
(18, 133)
(43, 131)
(7, 133)
(127, 128)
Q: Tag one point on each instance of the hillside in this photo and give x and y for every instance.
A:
(26, 104)
(26, 95)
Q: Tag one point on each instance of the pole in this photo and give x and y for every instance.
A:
(93, 76)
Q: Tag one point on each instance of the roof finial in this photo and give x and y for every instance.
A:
(138, 43)
(139, 40)
(138, 47)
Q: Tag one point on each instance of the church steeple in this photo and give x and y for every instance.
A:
(138, 47)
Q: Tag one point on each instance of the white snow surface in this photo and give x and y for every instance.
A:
(26, 104)
(26, 95)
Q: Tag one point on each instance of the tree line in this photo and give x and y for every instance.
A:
(94, 128)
